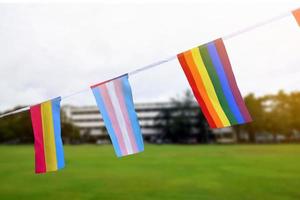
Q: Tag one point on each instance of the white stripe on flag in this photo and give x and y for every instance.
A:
(119, 115)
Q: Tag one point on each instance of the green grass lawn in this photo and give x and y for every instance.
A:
(161, 172)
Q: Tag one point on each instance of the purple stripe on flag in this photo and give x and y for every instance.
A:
(232, 82)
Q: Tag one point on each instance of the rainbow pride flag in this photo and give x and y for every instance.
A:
(115, 102)
(211, 78)
(48, 146)
(296, 14)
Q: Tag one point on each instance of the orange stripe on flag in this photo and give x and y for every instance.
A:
(296, 14)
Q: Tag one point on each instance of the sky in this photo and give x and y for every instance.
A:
(50, 50)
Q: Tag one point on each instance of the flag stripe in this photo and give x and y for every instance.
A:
(201, 86)
(111, 113)
(209, 87)
(119, 116)
(107, 121)
(127, 93)
(57, 133)
(296, 14)
(40, 163)
(224, 83)
(231, 79)
(48, 134)
(200, 99)
(121, 101)
(216, 82)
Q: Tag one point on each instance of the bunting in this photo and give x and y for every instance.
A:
(115, 102)
(48, 146)
(209, 73)
(211, 78)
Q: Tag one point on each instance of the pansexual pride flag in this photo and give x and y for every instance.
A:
(296, 14)
(211, 78)
(114, 100)
(48, 146)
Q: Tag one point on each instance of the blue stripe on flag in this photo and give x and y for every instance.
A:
(224, 82)
(126, 89)
(106, 119)
(57, 132)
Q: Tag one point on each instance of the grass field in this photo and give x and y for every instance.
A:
(161, 172)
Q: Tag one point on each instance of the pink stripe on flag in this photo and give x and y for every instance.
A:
(118, 88)
(36, 119)
(114, 121)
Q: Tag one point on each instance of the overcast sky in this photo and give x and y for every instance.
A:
(52, 50)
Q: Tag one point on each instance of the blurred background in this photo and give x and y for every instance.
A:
(49, 50)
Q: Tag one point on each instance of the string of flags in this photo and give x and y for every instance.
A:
(211, 78)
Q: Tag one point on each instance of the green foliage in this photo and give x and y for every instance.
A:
(16, 129)
(294, 110)
(256, 110)
(274, 114)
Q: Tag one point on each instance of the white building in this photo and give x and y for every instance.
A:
(89, 120)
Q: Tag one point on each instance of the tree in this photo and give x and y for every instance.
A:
(256, 110)
(273, 114)
(294, 102)
(182, 121)
(204, 134)
(16, 128)
(277, 114)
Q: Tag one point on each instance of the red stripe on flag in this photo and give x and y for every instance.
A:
(193, 85)
(36, 119)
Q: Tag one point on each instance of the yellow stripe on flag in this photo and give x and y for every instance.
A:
(48, 134)
(209, 86)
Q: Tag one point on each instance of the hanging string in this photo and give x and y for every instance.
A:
(159, 63)
(258, 25)
(15, 112)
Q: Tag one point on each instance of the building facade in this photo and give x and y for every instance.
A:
(89, 120)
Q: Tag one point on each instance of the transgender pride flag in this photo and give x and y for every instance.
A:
(114, 100)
